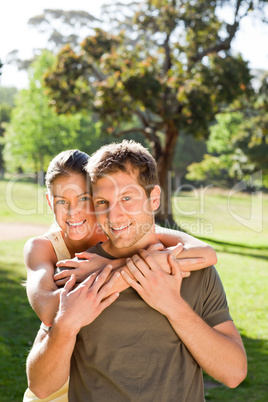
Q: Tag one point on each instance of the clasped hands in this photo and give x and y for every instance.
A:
(85, 263)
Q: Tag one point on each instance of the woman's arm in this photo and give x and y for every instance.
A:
(43, 294)
(192, 248)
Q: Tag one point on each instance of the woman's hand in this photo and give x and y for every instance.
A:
(82, 265)
(160, 254)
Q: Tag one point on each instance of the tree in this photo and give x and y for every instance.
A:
(226, 163)
(5, 113)
(7, 95)
(238, 143)
(36, 133)
(172, 70)
(188, 150)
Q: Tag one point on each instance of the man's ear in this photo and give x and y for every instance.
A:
(155, 197)
(48, 201)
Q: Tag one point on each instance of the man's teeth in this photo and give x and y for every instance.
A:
(76, 224)
(121, 227)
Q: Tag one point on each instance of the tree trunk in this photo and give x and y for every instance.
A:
(164, 216)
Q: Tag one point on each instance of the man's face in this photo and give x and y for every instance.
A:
(122, 208)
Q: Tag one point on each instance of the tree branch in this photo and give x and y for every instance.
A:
(231, 29)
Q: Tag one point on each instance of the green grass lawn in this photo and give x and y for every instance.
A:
(24, 203)
(243, 267)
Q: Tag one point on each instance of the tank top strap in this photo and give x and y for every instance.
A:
(58, 244)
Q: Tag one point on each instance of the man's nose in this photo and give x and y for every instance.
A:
(115, 212)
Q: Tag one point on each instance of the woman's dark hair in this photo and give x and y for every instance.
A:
(66, 163)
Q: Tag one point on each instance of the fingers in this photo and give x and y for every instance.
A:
(156, 247)
(106, 289)
(137, 267)
(102, 277)
(150, 261)
(177, 250)
(88, 281)
(175, 266)
(85, 255)
(108, 301)
(69, 284)
(185, 274)
(63, 274)
(61, 282)
(131, 282)
(67, 263)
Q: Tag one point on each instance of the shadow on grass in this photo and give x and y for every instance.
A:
(19, 325)
(255, 387)
(227, 244)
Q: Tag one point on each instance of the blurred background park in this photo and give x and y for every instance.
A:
(184, 79)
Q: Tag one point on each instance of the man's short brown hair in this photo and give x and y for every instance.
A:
(126, 156)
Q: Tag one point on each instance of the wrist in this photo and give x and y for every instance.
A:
(63, 328)
(180, 311)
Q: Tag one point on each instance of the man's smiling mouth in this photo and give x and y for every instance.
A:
(117, 229)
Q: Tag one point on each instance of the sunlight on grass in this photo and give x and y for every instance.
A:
(239, 219)
(242, 264)
(23, 202)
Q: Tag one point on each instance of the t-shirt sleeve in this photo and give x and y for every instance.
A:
(215, 306)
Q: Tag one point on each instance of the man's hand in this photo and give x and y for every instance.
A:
(80, 306)
(159, 289)
(82, 265)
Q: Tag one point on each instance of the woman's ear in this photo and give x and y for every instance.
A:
(48, 201)
(155, 197)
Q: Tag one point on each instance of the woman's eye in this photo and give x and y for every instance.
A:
(126, 198)
(61, 202)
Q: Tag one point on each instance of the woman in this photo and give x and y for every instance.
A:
(69, 198)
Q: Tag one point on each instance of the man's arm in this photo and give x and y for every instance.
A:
(48, 364)
(218, 350)
(192, 248)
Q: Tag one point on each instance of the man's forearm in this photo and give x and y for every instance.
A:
(48, 364)
(217, 350)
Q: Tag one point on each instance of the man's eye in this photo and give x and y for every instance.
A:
(126, 199)
(84, 199)
(101, 202)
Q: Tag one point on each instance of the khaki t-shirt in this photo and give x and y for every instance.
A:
(131, 352)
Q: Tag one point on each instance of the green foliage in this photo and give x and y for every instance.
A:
(5, 112)
(171, 68)
(36, 133)
(238, 143)
(188, 150)
(7, 95)
(162, 77)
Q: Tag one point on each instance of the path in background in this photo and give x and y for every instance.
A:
(16, 231)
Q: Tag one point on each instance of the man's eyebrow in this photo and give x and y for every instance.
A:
(80, 195)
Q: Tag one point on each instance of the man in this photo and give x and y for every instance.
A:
(151, 342)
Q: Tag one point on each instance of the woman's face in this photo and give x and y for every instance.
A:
(72, 206)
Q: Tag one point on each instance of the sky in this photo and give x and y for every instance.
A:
(251, 41)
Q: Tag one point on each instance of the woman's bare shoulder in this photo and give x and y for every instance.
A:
(37, 248)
